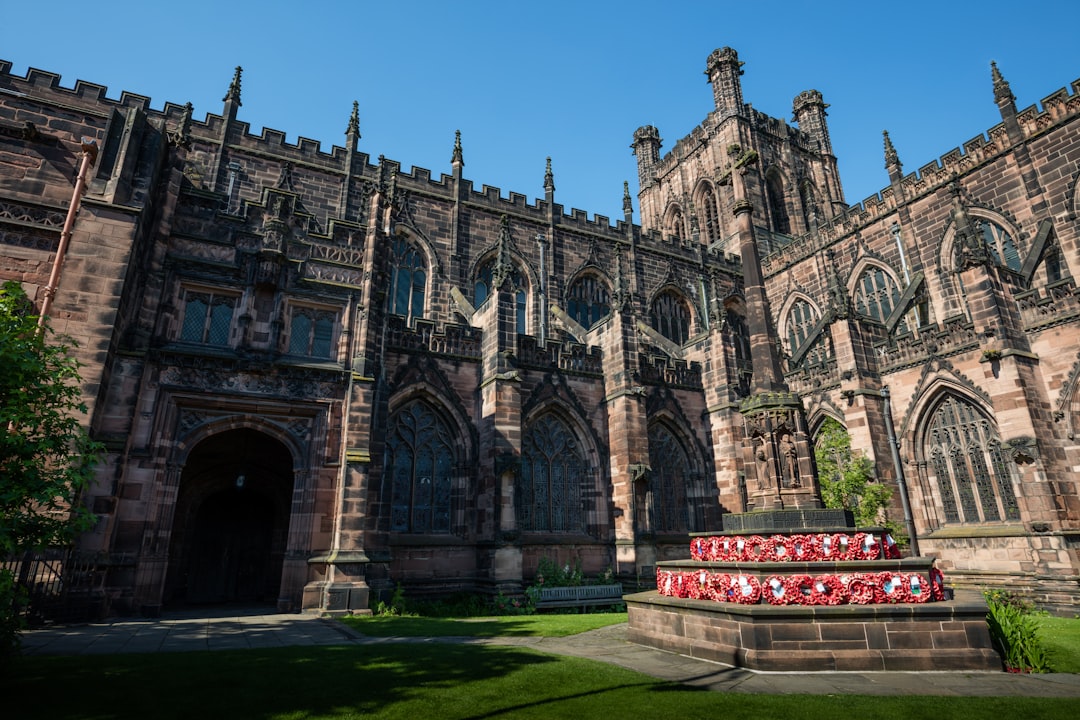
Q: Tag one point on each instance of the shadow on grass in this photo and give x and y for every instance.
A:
(436, 680)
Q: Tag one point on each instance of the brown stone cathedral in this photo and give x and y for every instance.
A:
(318, 377)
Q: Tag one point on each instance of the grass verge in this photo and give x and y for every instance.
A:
(1061, 639)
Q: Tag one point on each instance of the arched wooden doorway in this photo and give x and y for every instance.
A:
(231, 522)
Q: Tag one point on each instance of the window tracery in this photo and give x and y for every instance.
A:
(408, 280)
(876, 294)
(671, 317)
(588, 301)
(419, 463)
(970, 468)
(672, 491)
(553, 471)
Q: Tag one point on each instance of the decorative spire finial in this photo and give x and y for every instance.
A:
(627, 203)
(458, 157)
(1002, 92)
(233, 93)
(354, 121)
(549, 177)
(891, 158)
(182, 134)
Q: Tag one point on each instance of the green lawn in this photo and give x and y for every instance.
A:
(445, 681)
(507, 625)
(411, 681)
(1061, 637)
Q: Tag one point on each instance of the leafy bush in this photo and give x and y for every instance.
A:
(847, 481)
(1014, 628)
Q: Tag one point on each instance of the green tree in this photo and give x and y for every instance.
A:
(847, 479)
(46, 456)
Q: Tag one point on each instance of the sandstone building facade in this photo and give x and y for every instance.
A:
(318, 376)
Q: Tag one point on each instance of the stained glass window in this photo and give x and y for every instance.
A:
(588, 301)
(673, 500)
(877, 294)
(408, 279)
(671, 317)
(419, 462)
(552, 475)
(973, 478)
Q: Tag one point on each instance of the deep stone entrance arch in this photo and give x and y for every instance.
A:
(231, 523)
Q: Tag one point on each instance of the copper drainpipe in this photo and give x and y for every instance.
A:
(89, 156)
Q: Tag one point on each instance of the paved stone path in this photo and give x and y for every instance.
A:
(179, 632)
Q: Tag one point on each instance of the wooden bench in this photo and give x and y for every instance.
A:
(579, 596)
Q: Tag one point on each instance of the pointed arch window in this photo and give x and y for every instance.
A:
(1000, 244)
(774, 195)
(800, 321)
(709, 215)
(408, 280)
(484, 286)
(675, 224)
(419, 462)
(973, 477)
(588, 301)
(553, 472)
(674, 496)
(671, 317)
(876, 294)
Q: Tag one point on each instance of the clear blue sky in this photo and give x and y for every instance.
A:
(570, 80)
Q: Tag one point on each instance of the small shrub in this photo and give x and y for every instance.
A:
(1014, 629)
(396, 606)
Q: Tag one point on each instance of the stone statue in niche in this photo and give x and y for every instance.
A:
(789, 461)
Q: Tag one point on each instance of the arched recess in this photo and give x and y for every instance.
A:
(808, 195)
(425, 481)
(675, 499)
(996, 230)
(558, 488)
(875, 291)
(588, 297)
(777, 201)
(230, 524)
(671, 314)
(816, 416)
(411, 261)
(965, 474)
(798, 315)
(736, 334)
(706, 203)
(675, 222)
(521, 281)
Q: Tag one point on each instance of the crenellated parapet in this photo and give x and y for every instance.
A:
(568, 357)
(1056, 110)
(663, 370)
(452, 340)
